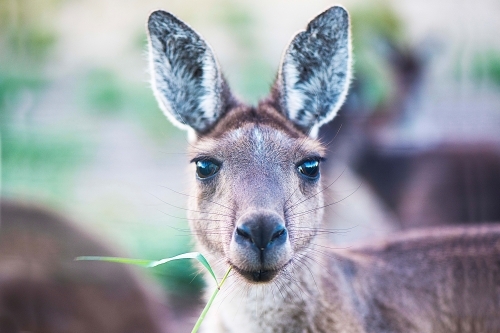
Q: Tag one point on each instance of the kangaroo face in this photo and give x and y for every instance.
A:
(257, 196)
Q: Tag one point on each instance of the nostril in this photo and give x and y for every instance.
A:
(260, 232)
(278, 234)
(243, 233)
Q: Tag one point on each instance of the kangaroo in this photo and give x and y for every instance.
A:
(43, 290)
(257, 203)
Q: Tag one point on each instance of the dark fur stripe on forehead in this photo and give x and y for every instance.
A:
(264, 114)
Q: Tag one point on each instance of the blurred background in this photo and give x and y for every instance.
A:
(416, 144)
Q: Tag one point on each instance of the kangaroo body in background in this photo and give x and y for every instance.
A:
(44, 290)
(257, 203)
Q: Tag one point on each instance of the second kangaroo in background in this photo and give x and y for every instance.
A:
(257, 203)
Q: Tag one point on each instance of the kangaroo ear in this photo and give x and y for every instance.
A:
(316, 70)
(186, 78)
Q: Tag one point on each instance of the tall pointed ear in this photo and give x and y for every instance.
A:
(186, 78)
(316, 70)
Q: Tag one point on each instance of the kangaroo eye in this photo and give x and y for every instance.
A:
(205, 169)
(309, 168)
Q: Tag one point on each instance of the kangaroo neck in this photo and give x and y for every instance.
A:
(300, 302)
(281, 306)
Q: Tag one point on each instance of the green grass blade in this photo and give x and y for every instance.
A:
(138, 262)
(209, 304)
(153, 263)
(191, 255)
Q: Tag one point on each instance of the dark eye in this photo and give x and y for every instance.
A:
(205, 169)
(309, 168)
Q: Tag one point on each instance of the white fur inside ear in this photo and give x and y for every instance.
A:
(293, 99)
(186, 78)
(163, 102)
(191, 135)
(315, 74)
(344, 90)
(210, 103)
(314, 131)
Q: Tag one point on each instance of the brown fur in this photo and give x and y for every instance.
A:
(265, 113)
(254, 208)
(434, 280)
(43, 290)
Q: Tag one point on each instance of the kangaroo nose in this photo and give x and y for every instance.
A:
(262, 232)
(260, 245)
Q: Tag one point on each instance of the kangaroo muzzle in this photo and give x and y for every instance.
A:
(260, 246)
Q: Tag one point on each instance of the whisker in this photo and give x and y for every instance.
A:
(328, 205)
(333, 139)
(191, 196)
(290, 197)
(312, 196)
(188, 219)
(331, 247)
(187, 209)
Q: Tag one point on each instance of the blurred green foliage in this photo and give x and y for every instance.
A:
(239, 22)
(375, 26)
(39, 166)
(254, 74)
(36, 163)
(104, 93)
(487, 65)
(178, 277)
(27, 34)
(43, 163)
(256, 79)
(12, 87)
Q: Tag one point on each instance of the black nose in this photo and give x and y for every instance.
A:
(261, 231)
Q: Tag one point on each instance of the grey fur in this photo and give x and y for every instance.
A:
(432, 281)
(316, 70)
(185, 74)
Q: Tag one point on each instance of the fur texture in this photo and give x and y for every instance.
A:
(186, 78)
(316, 71)
(293, 282)
(44, 290)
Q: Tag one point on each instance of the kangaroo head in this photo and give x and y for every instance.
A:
(257, 197)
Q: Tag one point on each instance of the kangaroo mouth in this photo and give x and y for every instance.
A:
(258, 276)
